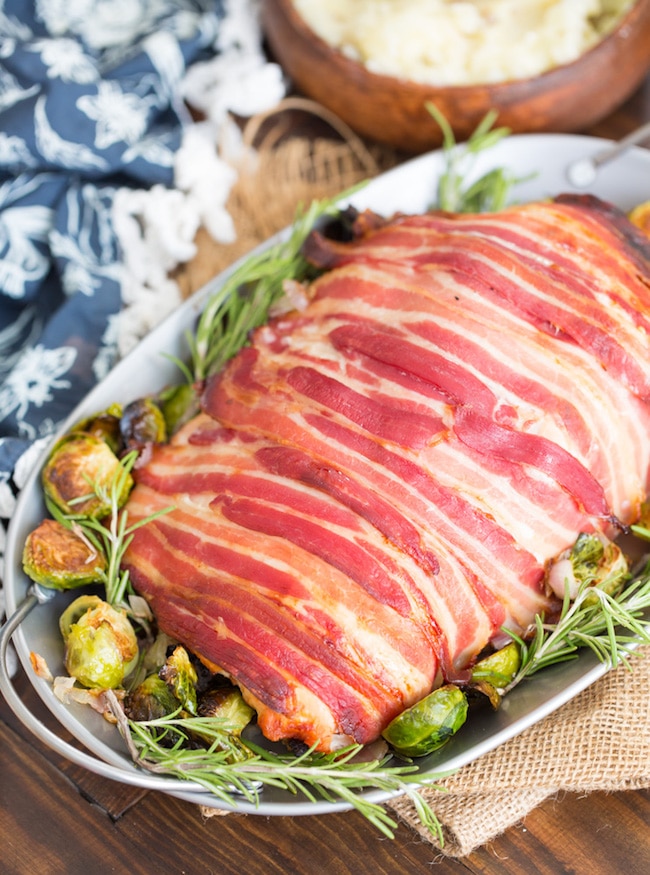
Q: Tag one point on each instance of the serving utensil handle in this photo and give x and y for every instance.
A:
(130, 775)
(582, 173)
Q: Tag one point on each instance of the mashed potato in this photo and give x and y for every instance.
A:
(456, 42)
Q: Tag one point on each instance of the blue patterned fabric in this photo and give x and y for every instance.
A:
(88, 102)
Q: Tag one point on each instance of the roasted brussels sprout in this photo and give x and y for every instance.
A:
(180, 675)
(142, 423)
(150, 700)
(178, 404)
(56, 557)
(105, 426)
(227, 705)
(101, 647)
(592, 561)
(500, 667)
(81, 466)
(429, 724)
(492, 674)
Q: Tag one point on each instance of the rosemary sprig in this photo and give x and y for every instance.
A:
(243, 302)
(111, 535)
(611, 626)
(490, 192)
(220, 769)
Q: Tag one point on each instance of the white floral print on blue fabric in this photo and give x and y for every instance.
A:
(119, 115)
(88, 101)
(65, 60)
(31, 383)
(93, 112)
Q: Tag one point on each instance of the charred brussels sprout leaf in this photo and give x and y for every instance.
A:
(428, 724)
(105, 426)
(499, 667)
(142, 423)
(227, 705)
(56, 557)
(180, 675)
(101, 647)
(79, 474)
(150, 700)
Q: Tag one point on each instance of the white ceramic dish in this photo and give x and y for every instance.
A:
(541, 159)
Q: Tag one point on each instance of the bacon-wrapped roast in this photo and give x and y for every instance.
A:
(376, 485)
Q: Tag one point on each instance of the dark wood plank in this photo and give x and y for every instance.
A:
(47, 827)
(332, 844)
(115, 798)
(599, 834)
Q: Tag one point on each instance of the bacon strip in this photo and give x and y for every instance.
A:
(376, 484)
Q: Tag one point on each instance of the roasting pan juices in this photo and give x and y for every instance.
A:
(541, 162)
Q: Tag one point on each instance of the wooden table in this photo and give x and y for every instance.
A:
(57, 819)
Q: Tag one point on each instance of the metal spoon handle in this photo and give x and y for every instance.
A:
(128, 774)
(631, 139)
(582, 173)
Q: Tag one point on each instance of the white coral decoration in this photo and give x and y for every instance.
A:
(207, 180)
(156, 228)
(233, 82)
(239, 78)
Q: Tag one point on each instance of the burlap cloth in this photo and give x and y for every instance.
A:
(600, 740)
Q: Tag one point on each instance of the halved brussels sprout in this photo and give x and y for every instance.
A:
(429, 724)
(142, 423)
(56, 557)
(500, 667)
(101, 647)
(181, 677)
(227, 705)
(105, 426)
(492, 674)
(150, 700)
(592, 561)
(79, 466)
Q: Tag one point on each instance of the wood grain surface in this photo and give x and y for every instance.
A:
(58, 819)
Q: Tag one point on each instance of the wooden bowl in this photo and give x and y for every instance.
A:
(393, 111)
